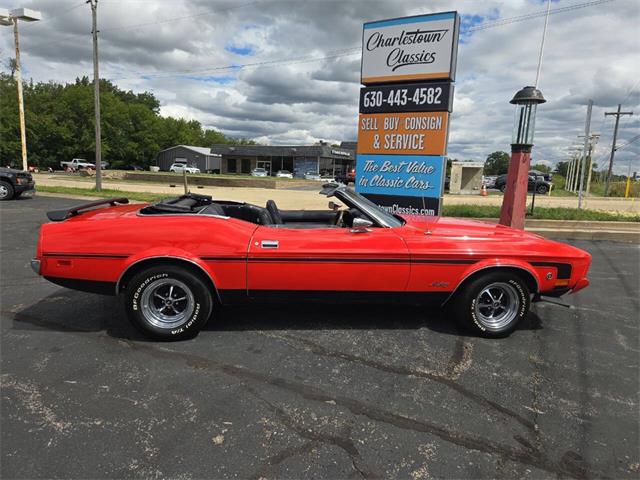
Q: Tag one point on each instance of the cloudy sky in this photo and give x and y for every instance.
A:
(287, 71)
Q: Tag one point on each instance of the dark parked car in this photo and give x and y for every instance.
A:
(535, 183)
(14, 183)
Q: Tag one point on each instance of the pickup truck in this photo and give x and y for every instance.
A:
(77, 164)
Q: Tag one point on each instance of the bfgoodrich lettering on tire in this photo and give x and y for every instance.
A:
(493, 304)
(168, 303)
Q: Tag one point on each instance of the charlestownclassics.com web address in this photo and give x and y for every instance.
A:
(398, 210)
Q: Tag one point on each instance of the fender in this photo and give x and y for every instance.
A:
(167, 253)
(494, 263)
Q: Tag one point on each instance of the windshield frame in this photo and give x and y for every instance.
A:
(369, 208)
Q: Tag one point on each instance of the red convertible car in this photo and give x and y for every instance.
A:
(173, 260)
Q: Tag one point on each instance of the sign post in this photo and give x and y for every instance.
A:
(408, 65)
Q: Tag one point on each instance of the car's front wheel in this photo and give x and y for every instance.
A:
(503, 188)
(542, 189)
(168, 302)
(493, 304)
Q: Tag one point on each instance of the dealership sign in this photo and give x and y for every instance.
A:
(403, 133)
(404, 124)
(407, 97)
(410, 48)
(410, 184)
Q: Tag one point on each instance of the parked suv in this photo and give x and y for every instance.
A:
(14, 183)
(182, 167)
(535, 183)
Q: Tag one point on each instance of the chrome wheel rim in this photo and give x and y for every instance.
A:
(497, 305)
(167, 303)
(4, 191)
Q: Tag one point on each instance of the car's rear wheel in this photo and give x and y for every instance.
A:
(493, 304)
(168, 302)
(503, 188)
(6, 191)
(542, 189)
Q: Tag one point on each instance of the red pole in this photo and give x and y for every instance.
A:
(514, 203)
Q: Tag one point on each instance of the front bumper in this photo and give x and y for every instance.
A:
(582, 283)
(35, 265)
(26, 189)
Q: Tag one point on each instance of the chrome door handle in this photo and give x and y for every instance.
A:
(269, 244)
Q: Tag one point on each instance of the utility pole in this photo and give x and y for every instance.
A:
(569, 178)
(23, 132)
(587, 131)
(593, 140)
(96, 93)
(613, 145)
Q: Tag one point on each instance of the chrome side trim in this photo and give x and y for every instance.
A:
(222, 217)
(486, 268)
(165, 257)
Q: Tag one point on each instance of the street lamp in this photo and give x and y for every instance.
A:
(515, 197)
(12, 18)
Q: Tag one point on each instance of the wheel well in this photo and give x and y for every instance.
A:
(527, 276)
(133, 269)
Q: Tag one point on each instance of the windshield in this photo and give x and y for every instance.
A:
(369, 208)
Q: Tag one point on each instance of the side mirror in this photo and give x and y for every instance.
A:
(360, 225)
(334, 206)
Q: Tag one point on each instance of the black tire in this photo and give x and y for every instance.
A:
(542, 189)
(145, 309)
(6, 191)
(518, 301)
(503, 187)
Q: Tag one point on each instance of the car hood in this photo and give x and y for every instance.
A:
(456, 227)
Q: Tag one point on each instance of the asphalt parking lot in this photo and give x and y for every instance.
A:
(315, 392)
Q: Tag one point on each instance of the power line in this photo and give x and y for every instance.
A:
(629, 142)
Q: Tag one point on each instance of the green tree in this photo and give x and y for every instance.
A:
(60, 124)
(562, 168)
(497, 163)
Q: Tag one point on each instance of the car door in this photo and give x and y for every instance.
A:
(317, 261)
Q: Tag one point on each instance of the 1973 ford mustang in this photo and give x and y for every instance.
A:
(173, 260)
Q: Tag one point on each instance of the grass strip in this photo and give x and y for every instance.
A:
(540, 213)
(473, 211)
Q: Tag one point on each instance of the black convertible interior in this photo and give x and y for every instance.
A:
(269, 215)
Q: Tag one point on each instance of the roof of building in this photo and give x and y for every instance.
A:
(200, 150)
(326, 151)
(349, 145)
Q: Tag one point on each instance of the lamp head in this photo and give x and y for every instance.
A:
(26, 14)
(528, 95)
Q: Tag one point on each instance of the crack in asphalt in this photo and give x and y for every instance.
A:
(344, 442)
(318, 349)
